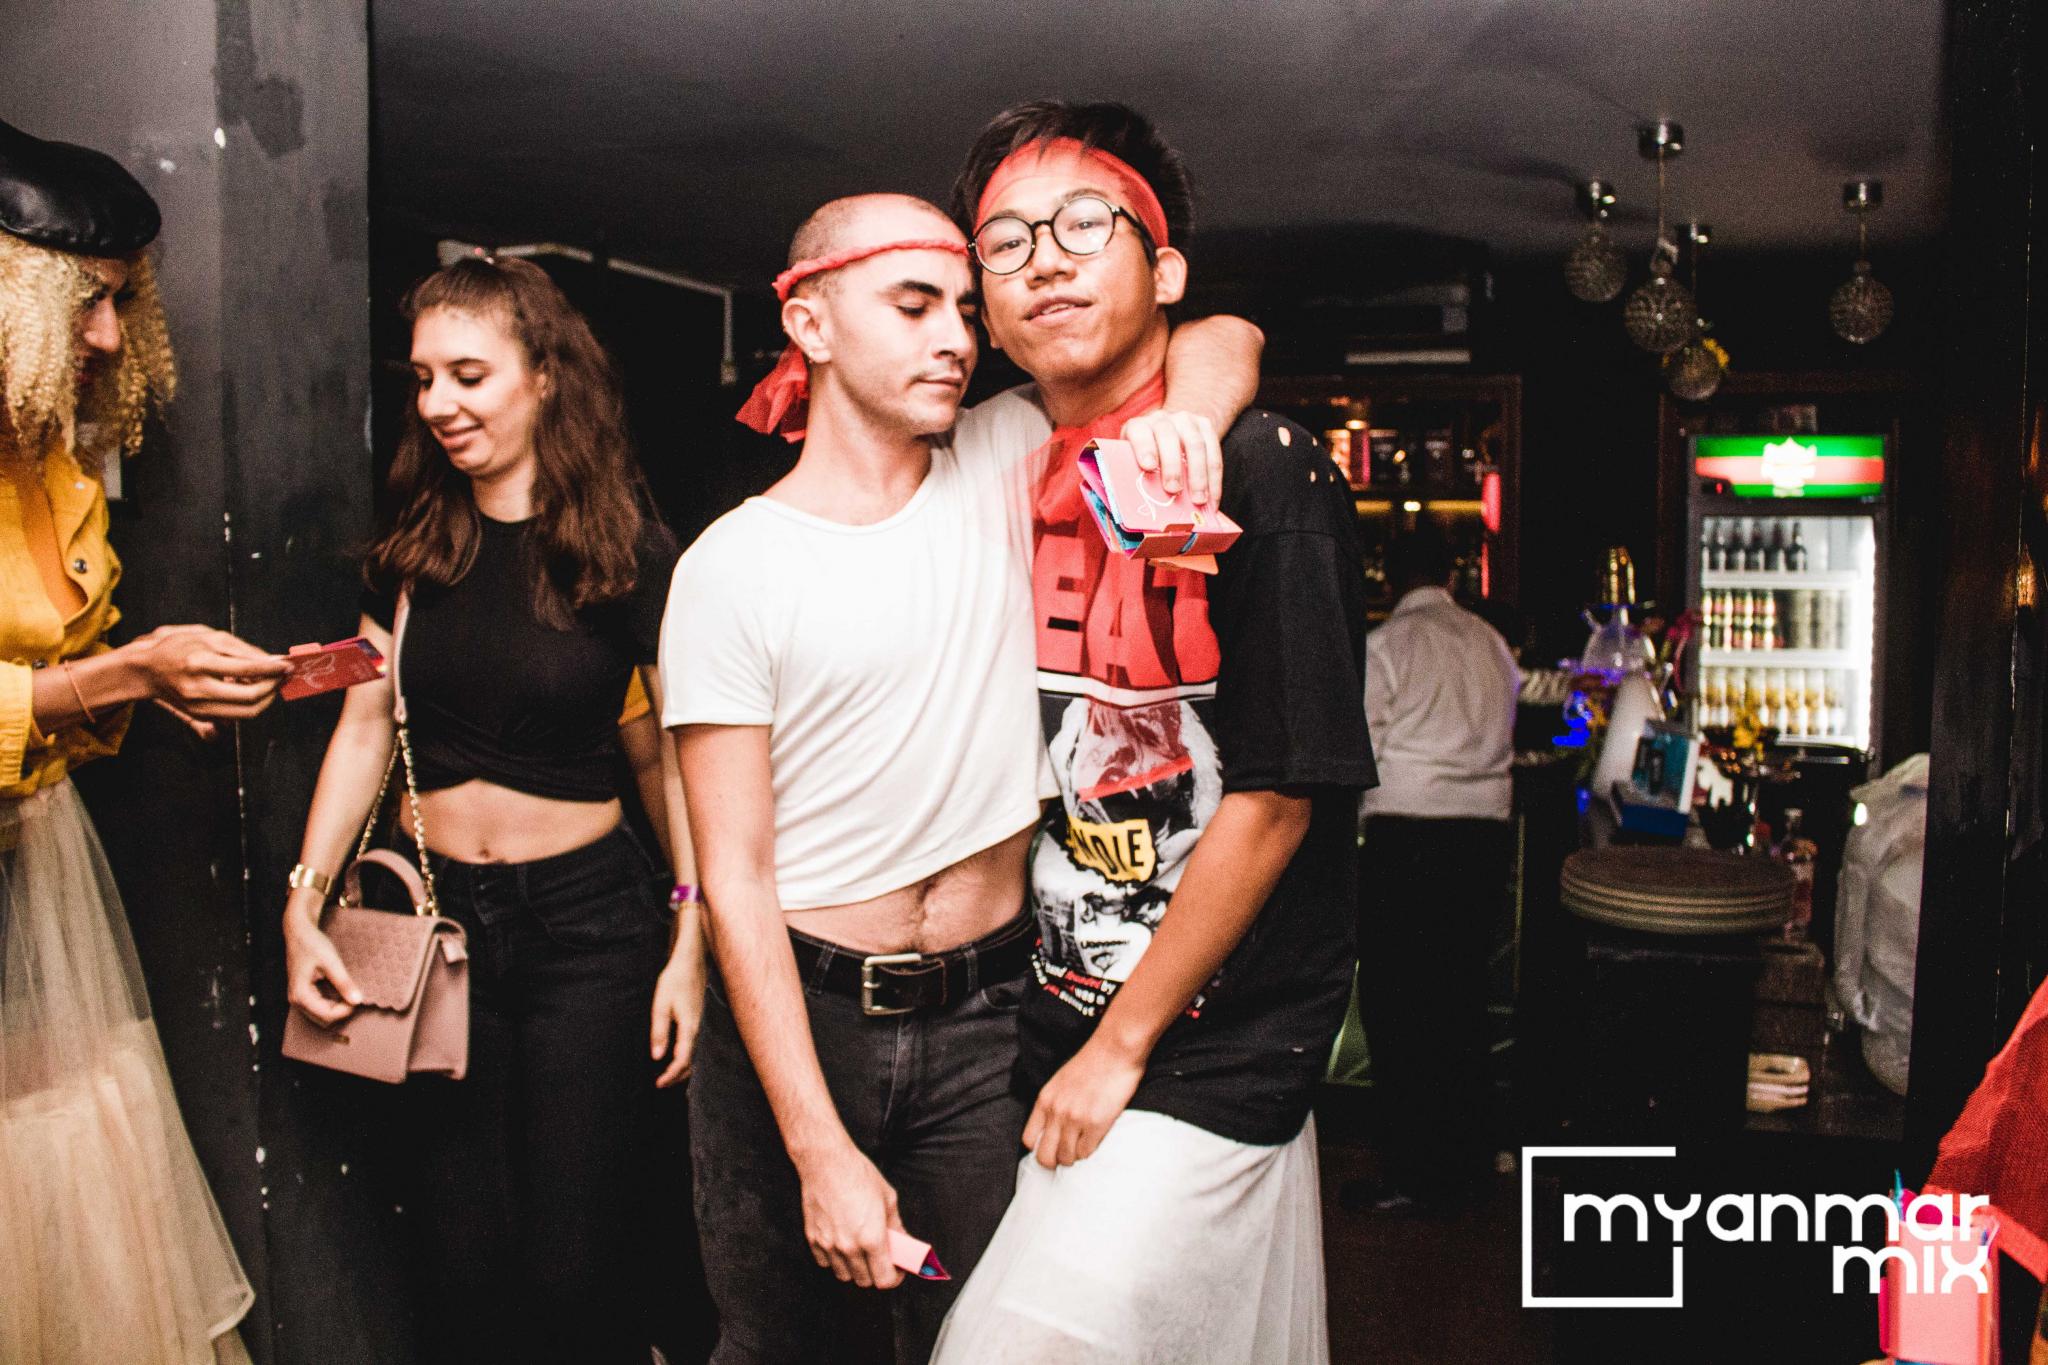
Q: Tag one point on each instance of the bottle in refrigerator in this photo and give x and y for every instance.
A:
(1799, 618)
(1823, 723)
(1737, 628)
(1767, 636)
(1827, 620)
(1838, 713)
(1710, 549)
(1774, 548)
(1795, 551)
(1752, 545)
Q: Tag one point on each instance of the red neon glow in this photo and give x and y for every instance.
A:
(1489, 501)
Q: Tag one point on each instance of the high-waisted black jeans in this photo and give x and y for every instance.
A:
(534, 1167)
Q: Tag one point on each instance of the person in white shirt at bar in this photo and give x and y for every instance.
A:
(1440, 689)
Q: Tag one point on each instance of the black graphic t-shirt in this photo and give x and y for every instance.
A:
(1161, 690)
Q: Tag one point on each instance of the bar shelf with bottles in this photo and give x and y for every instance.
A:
(1786, 600)
(1440, 448)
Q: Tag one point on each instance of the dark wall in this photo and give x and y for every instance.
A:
(248, 119)
(1983, 932)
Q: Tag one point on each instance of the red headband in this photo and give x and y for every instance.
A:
(1030, 158)
(781, 402)
(818, 265)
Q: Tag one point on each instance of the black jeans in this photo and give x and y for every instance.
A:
(1429, 894)
(926, 1096)
(535, 1166)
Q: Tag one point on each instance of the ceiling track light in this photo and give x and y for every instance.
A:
(1595, 270)
(1861, 307)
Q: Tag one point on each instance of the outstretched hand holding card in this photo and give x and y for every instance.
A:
(325, 668)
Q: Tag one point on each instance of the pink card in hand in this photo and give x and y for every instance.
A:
(913, 1257)
(323, 668)
(1139, 518)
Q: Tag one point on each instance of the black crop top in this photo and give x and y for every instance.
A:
(494, 693)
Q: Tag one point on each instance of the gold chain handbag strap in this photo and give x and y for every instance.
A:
(376, 809)
(401, 750)
(419, 824)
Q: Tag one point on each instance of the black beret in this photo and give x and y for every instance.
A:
(72, 198)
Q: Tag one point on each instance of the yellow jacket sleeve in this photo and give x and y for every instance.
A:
(17, 715)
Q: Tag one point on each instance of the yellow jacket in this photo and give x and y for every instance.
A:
(33, 636)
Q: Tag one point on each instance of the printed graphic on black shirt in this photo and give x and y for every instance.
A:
(1137, 786)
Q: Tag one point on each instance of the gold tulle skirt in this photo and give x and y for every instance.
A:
(111, 1248)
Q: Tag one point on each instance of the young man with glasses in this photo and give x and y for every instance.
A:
(1194, 885)
(848, 663)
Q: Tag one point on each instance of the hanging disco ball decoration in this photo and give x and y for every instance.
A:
(1694, 371)
(1861, 308)
(1595, 270)
(1661, 314)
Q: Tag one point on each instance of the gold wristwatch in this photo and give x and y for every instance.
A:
(303, 877)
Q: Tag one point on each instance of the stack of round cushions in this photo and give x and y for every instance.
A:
(1657, 890)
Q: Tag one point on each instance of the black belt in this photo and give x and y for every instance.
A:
(902, 983)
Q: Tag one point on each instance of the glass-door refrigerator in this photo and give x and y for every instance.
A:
(1788, 535)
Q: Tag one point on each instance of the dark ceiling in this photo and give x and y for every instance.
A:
(696, 135)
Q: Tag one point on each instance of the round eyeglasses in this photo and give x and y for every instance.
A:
(1081, 227)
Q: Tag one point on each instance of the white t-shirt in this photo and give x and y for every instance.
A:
(894, 665)
(1440, 689)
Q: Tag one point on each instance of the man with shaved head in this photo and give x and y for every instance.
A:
(848, 665)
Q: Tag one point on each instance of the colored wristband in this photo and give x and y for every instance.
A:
(684, 894)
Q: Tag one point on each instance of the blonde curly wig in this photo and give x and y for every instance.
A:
(41, 404)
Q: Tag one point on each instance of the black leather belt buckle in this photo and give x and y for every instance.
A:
(869, 982)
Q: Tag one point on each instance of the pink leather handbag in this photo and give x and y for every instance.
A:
(411, 966)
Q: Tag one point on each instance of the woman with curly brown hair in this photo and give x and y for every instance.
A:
(535, 575)
(110, 1245)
